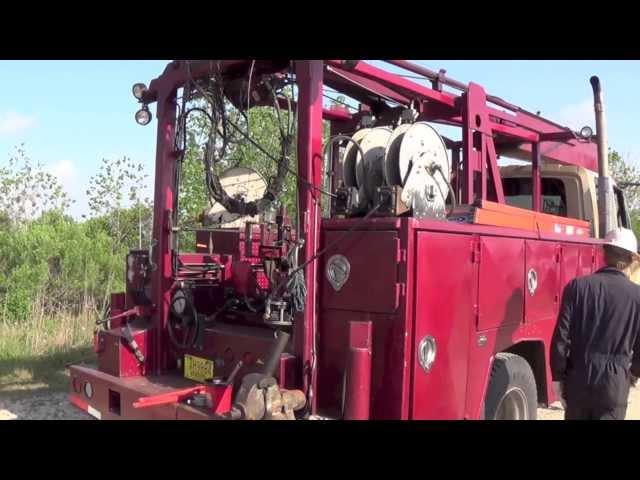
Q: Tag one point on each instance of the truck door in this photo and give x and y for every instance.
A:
(542, 278)
(571, 266)
(501, 296)
(588, 260)
(446, 281)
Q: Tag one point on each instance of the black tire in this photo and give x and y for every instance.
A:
(512, 392)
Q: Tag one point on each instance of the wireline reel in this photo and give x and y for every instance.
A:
(370, 169)
(350, 158)
(424, 168)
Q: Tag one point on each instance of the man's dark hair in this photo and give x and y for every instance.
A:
(617, 257)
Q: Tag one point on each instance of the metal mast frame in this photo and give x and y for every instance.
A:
(488, 125)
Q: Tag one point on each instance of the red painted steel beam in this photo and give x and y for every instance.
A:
(164, 193)
(337, 114)
(558, 137)
(573, 153)
(309, 76)
(428, 74)
(336, 76)
(493, 166)
(383, 83)
(176, 74)
(570, 152)
(515, 132)
(403, 86)
(523, 117)
(535, 176)
(332, 114)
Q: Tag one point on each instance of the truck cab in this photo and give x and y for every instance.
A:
(567, 191)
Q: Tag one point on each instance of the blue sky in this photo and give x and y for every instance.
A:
(71, 114)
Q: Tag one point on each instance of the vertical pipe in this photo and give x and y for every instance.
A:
(482, 155)
(309, 81)
(535, 177)
(604, 181)
(272, 359)
(334, 161)
(357, 394)
(469, 152)
(469, 165)
(163, 204)
(455, 160)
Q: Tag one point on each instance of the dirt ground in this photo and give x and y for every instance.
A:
(55, 406)
(38, 406)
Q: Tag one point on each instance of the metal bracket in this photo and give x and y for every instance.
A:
(390, 200)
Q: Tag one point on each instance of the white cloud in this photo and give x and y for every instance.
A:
(72, 183)
(64, 171)
(12, 123)
(576, 115)
(67, 175)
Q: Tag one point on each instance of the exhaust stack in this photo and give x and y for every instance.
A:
(606, 214)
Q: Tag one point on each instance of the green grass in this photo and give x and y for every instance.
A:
(34, 353)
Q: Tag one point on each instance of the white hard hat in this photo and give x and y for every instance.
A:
(623, 238)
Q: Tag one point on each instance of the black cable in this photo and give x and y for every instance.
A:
(211, 181)
(216, 190)
(276, 105)
(335, 242)
(296, 286)
(197, 321)
(267, 154)
(253, 63)
(454, 201)
(322, 252)
(333, 140)
(436, 167)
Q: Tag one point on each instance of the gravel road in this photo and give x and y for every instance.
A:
(55, 406)
(39, 406)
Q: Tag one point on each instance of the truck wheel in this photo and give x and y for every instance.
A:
(512, 392)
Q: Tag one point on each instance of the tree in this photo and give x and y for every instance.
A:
(193, 197)
(262, 125)
(47, 259)
(117, 204)
(628, 178)
(27, 190)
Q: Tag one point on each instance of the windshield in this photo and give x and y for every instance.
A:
(518, 192)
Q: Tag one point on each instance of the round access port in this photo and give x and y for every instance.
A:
(88, 390)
